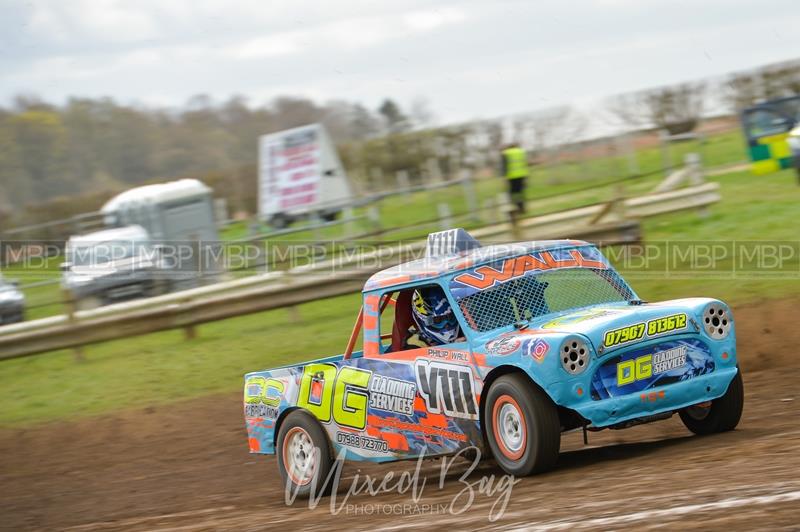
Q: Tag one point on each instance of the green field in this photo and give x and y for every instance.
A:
(164, 367)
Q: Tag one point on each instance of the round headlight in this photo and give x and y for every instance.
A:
(717, 321)
(574, 355)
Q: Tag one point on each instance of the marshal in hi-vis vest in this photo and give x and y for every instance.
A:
(516, 163)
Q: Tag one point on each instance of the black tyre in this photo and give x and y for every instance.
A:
(522, 426)
(304, 457)
(722, 415)
(328, 216)
(280, 221)
(89, 303)
(158, 287)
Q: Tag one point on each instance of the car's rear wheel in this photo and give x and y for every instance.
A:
(304, 457)
(720, 415)
(522, 426)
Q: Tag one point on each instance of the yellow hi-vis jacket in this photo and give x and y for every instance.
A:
(516, 163)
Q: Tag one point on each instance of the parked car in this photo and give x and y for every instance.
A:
(768, 129)
(551, 339)
(113, 265)
(12, 302)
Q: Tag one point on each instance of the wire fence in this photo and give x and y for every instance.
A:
(470, 215)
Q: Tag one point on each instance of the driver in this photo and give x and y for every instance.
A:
(434, 320)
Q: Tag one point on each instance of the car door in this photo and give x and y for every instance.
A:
(420, 400)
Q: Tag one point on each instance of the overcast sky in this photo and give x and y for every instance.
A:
(468, 59)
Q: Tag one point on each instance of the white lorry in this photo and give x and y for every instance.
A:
(300, 175)
(160, 238)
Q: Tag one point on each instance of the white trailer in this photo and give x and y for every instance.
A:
(300, 174)
(178, 216)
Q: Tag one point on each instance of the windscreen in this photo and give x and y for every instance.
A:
(530, 286)
(790, 107)
(772, 118)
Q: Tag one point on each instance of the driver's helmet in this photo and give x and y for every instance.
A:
(436, 323)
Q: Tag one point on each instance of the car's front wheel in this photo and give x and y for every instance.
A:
(522, 426)
(304, 458)
(89, 303)
(721, 415)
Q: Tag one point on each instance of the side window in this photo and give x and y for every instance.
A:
(418, 317)
(386, 323)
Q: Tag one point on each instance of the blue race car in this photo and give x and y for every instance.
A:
(549, 338)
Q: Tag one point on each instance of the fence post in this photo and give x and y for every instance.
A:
(253, 226)
(469, 194)
(316, 221)
(455, 162)
(445, 219)
(376, 179)
(695, 168)
(403, 183)
(625, 147)
(349, 223)
(666, 151)
(434, 170)
(69, 303)
(509, 212)
(504, 202)
(613, 210)
(489, 207)
(374, 217)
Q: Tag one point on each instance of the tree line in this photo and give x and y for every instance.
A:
(58, 160)
(90, 144)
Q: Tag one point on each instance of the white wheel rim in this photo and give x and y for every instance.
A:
(511, 429)
(301, 459)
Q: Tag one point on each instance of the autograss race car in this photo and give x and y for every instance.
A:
(552, 339)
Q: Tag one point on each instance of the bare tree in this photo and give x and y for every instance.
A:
(552, 128)
(292, 112)
(677, 108)
(628, 110)
(494, 134)
(782, 79)
(741, 90)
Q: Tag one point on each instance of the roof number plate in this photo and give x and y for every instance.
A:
(450, 242)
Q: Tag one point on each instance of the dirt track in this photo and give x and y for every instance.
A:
(186, 466)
